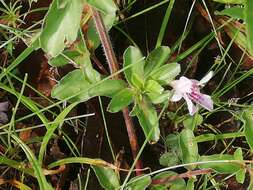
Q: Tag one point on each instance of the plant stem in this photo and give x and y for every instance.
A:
(114, 67)
(188, 174)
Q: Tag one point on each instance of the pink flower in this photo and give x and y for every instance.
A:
(189, 89)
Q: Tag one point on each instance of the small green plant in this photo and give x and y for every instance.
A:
(70, 33)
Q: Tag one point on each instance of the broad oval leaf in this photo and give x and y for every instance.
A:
(137, 81)
(64, 59)
(240, 175)
(156, 58)
(75, 87)
(225, 167)
(153, 87)
(169, 159)
(189, 147)
(74, 83)
(165, 73)
(139, 183)
(157, 98)
(248, 127)
(107, 88)
(61, 26)
(120, 100)
(107, 177)
(172, 143)
(148, 119)
(171, 185)
(134, 60)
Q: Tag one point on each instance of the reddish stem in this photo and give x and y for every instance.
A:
(188, 174)
(114, 67)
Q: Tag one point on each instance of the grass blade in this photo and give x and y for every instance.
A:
(43, 184)
(59, 119)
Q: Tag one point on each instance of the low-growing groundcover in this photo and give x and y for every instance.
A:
(126, 94)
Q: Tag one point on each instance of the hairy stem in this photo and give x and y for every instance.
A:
(114, 67)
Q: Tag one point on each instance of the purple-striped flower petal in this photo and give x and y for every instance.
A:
(189, 89)
(191, 107)
(205, 101)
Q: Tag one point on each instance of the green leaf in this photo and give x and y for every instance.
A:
(191, 122)
(240, 175)
(165, 73)
(148, 119)
(61, 26)
(106, 6)
(248, 127)
(121, 100)
(234, 12)
(171, 185)
(79, 56)
(189, 148)
(139, 183)
(221, 167)
(190, 183)
(107, 177)
(238, 154)
(107, 88)
(231, 1)
(169, 159)
(249, 25)
(77, 83)
(157, 58)
(153, 86)
(62, 60)
(172, 143)
(133, 59)
(137, 81)
(74, 83)
(157, 98)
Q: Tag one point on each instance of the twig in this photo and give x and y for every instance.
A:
(114, 67)
(188, 174)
